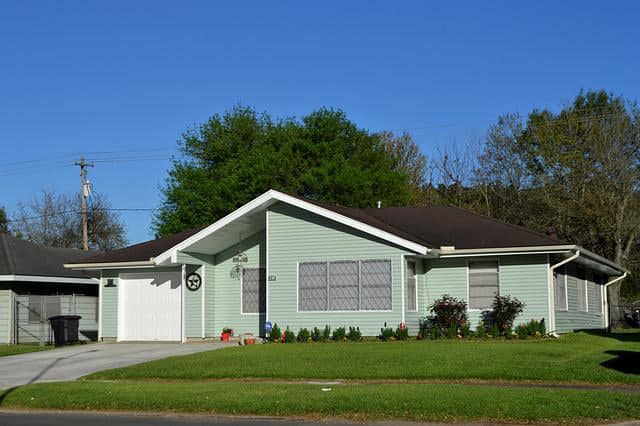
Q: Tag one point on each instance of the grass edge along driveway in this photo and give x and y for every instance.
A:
(8, 350)
(356, 402)
(573, 358)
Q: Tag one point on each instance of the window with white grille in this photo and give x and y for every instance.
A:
(560, 288)
(344, 285)
(484, 283)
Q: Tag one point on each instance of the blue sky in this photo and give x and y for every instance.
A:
(120, 81)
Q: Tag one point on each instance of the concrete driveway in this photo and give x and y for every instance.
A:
(73, 362)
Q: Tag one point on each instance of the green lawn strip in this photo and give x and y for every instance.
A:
(360, 402)
(7, 350)
(571, 359)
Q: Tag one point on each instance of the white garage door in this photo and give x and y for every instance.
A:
(150, 306)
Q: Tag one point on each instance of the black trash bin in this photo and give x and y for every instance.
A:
(65, 329)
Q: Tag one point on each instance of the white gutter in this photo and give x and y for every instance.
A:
(48, 279)
(111, 265)
(551, 287)
(606, 298)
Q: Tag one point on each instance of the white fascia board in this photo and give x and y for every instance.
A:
(44, 279)
(271, 196)
(531, 250)
(111, 265)
(506, 251)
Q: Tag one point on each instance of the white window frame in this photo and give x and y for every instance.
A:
(298, 311)
(566, 290)
(584, 282)
(490, 259)
(415, 284)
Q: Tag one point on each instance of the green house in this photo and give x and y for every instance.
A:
(299, 263)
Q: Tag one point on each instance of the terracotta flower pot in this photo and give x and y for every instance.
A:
(250, 341)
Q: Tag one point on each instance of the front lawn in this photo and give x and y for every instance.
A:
(358, 402)
(6, 350)
(579, 357)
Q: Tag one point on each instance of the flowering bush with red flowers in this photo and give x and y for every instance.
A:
(448, 312)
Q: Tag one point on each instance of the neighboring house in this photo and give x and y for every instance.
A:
(299, 263)
(35, 285)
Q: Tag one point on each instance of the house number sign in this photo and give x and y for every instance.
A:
(194, 281)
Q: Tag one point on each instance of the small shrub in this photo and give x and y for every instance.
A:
(508, 333)
(326, 333)
(481, 330)
(303, 335)
(316, 335)
(448, 311)
(288, 336)
(504, 311)
(227, 330)
(435, 333)
(465, 330)
(275, 334)
(536, 328)
(452, 332)
(386, 333)
(354, 334)
(522, 331)
(495, 331)
(402, 332)
(339, 334)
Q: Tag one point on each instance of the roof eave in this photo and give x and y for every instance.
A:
(111, 265)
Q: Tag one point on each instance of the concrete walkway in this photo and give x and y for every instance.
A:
(73, 362)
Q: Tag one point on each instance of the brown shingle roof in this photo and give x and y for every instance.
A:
(142, 251)
(430, 226)
(20, 257)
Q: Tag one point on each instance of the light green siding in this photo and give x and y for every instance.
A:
(193, 307)
(109, 304)
(524, 277)
(573, 318)
(5, 316)
(298, 236)
(226, 299)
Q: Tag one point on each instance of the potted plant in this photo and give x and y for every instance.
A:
(226, 333)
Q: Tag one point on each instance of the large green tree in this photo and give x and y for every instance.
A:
(240, 154)
(4, 221)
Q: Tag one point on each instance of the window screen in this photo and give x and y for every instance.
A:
(344, 285)
(344, 291)
(312, 286)
(412, 301)
(483, 283)
(376, 285)
(560, 289)
(582, 290)
(253, 290)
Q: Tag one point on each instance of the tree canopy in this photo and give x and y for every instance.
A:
(236, 156)
(54, 220)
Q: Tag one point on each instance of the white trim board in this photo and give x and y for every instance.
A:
(52, 280)
(272, 196)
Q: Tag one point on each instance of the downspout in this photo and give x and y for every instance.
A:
(402, 284)
(606, 298)
(552, 310)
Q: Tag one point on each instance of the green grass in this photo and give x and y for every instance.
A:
(579, 357)
(6, 350)
(360, 402)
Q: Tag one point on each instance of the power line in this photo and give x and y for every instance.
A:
(77, 211)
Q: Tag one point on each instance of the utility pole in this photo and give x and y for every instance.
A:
(85, 192)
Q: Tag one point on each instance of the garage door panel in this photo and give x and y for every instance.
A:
(150, 306)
